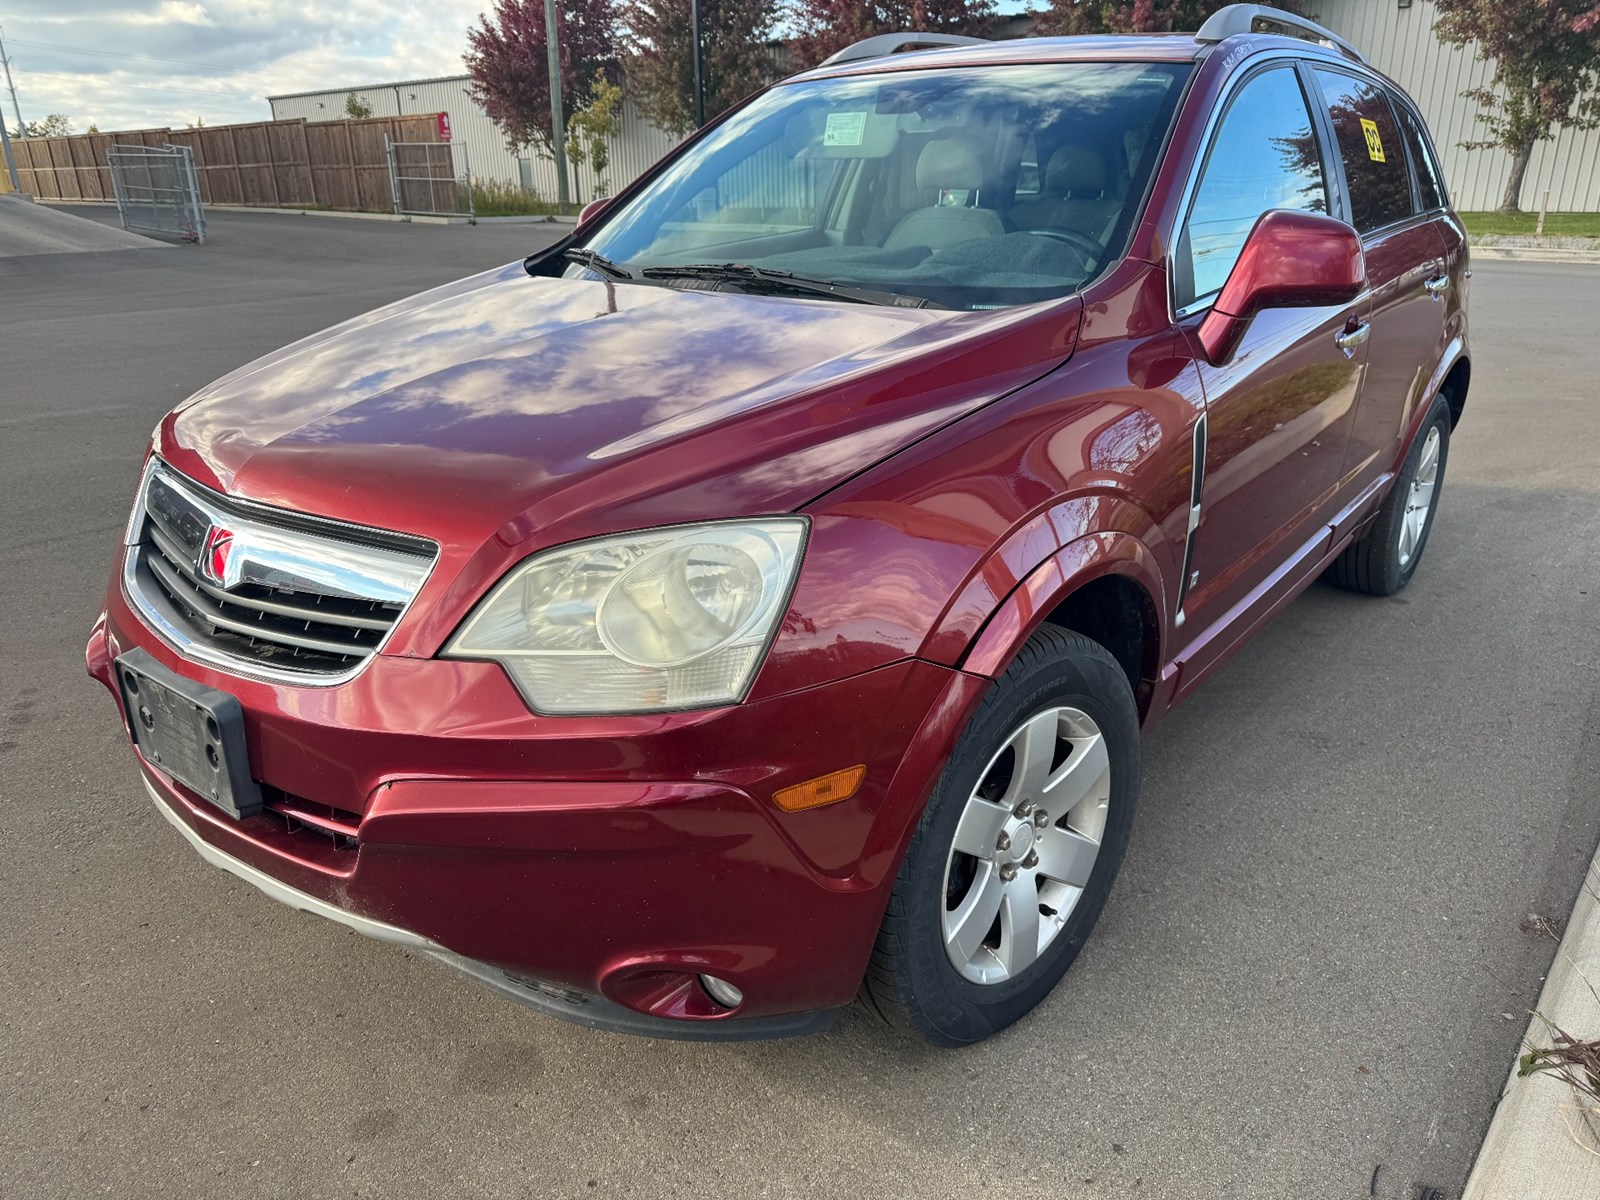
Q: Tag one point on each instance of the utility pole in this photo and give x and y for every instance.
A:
(11, 164)
(558, 121)
(22, 130)
(699, 82)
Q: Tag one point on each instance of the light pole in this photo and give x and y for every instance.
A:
(699, 82)
(11, 165)
(22, 130)
(558, 122)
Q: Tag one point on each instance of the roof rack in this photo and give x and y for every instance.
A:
(898, 43)
(1259, 18)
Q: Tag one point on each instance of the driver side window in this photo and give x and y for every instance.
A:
(1265, 155)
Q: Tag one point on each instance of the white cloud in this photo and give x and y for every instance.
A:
(96, 60)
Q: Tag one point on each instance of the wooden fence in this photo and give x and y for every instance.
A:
(265, 164)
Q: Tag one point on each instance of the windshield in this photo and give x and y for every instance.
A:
(975, 187)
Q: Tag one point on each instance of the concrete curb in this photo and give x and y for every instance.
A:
(407, 218)
(1534, 254)
(1532, 1151)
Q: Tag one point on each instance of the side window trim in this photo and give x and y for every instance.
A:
(1407, 113)
(1191, 187)
(1339, 202)
(1332, 152)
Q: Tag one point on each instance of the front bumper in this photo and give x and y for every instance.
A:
(591, 867)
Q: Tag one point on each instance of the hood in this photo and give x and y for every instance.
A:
(520, 406)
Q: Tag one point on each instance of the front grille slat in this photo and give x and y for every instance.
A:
(275, 617)
(197, 602)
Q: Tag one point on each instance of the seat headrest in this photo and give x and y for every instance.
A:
(1076, 169)
(948, 164)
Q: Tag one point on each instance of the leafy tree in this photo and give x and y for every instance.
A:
(823, 27)
(591, 129)
(1546, 56)
(736, 59)
(55, 125)
(1128, 16)
(509, 67)
(356, 108)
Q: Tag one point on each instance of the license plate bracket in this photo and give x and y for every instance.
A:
(192, 732)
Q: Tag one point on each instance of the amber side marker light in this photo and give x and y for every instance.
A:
(828, 789)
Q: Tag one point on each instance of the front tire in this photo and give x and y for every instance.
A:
(1016, 852)
(1384, 559)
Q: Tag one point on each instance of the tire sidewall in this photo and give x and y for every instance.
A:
(961, 1010)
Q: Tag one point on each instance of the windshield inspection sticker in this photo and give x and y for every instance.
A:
(1374, 142)
(845, 129)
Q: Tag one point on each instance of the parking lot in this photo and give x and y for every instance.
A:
(1310, 981)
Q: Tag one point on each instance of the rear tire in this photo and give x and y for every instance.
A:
(1384, 559)
(1017, 849)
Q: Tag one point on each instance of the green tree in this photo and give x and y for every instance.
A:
(356, 108)
(592, 127)
(736, 57)
(1546, 56)
(55, 125)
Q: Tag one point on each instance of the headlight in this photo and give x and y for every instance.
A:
(644, 622)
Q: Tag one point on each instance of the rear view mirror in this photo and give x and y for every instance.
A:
(1290, 260)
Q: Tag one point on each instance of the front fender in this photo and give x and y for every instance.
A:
(1055, 579)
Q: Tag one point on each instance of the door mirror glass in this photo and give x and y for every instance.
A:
(1290, 260)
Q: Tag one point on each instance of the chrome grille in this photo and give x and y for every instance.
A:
(262, 590)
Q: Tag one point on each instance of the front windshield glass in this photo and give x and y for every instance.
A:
(976, 187)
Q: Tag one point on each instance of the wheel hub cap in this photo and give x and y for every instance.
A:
(1026, 844)
(1018, 841)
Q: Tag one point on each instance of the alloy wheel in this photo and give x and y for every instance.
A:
(1424, 487)
(1025, 845)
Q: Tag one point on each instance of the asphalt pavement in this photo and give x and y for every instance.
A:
(1309, 982)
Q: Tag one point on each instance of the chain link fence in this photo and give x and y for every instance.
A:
(157, 190)
(430, 179)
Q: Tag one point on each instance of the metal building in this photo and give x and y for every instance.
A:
(637, 145)
(1397, 37)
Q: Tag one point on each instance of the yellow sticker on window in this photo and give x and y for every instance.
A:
(1374, 141)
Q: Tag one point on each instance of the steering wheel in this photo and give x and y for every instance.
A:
(1083, 244)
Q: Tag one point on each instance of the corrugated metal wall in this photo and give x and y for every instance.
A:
(638, 144)
(1401, 43)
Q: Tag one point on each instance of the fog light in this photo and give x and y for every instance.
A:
(723, 992)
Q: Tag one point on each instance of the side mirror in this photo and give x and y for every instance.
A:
(593, 209)
(1290, 260)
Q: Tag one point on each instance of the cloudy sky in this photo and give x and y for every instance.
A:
(130, 64)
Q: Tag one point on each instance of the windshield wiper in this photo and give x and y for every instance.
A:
(750, 274)
(596, 262)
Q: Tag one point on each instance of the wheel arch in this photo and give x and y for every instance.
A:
(1454, 387)
(1106, 586)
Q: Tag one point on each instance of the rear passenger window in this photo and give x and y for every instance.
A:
(1264, 156)
(1369, 144)
(1429, 184)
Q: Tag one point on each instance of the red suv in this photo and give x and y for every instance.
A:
(757, 598)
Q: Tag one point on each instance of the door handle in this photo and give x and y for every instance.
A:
(1438, 285)
(1353, 337)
